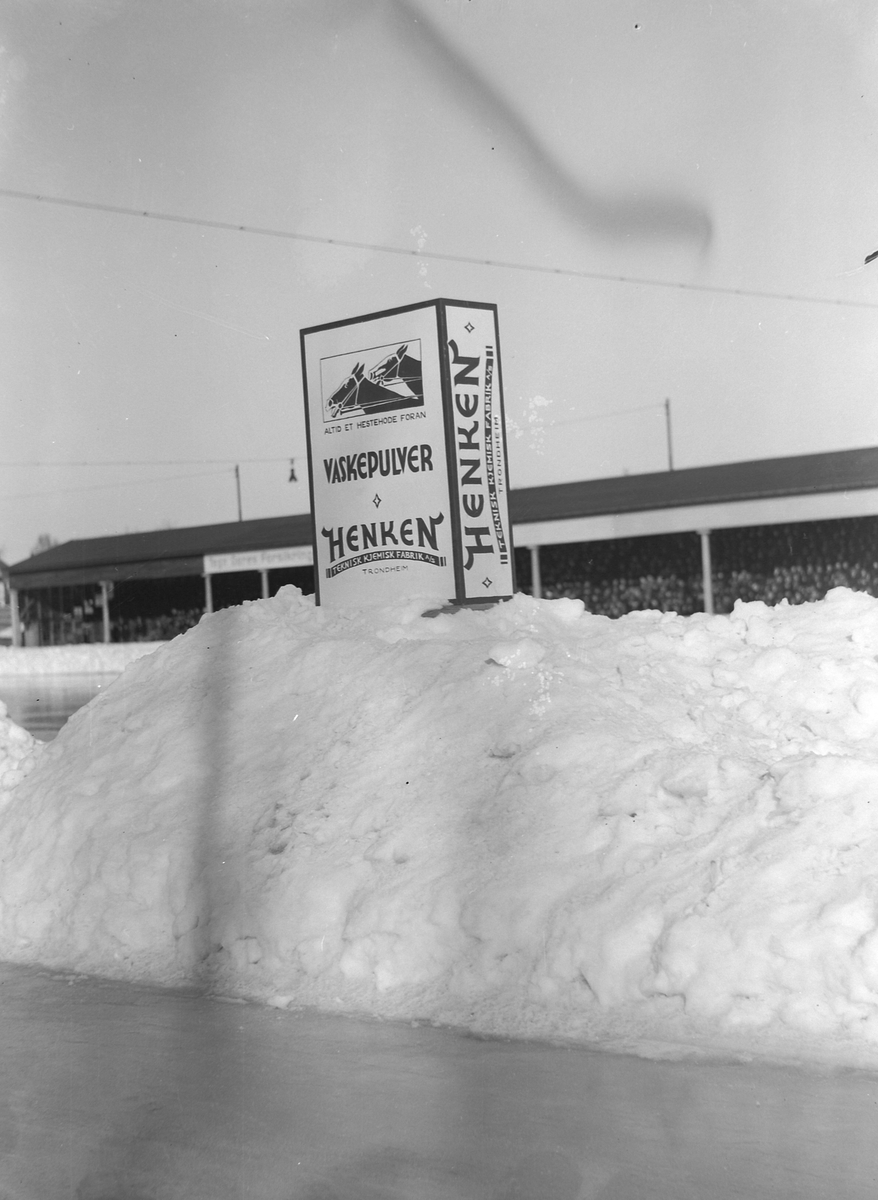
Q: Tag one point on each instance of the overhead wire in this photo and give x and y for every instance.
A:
(604, 416)
(141, 462)
(471, 260)
(376, 247)
(93, 487)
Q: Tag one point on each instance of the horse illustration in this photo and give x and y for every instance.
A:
(360, 394)
(401, 369)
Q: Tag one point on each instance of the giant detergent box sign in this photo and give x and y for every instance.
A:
(407, 456)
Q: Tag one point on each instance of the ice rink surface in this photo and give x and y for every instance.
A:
(118, 1092)
(43, 704)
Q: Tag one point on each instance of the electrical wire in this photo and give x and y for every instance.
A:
(471, 260)
(93, 487)
(604, 416)
(143, 462)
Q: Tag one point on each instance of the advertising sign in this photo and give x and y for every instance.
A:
(407, 456)
(258, 560)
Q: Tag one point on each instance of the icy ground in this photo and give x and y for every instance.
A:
(652, 832)
(116, 1091)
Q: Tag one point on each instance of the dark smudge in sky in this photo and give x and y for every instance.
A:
(613, 216)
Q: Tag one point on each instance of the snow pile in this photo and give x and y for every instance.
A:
(93, 658)
(528, 820)
(18, 755)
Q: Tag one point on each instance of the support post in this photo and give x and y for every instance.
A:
(706, 569)
(668, 432)
(16, 616)
(238, 489)
(264, 577)
(105, 605)
(208, 593)
(536, 581)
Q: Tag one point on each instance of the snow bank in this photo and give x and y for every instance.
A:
(94, 658)
(527, 821)
(18, 755)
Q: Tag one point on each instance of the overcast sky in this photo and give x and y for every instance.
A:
(669, 173)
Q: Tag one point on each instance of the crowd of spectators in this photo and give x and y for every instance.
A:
(157, 628)
(795, 562)
(616, 577)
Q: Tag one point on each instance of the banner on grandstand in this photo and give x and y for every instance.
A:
(258, 560)
(407, 456)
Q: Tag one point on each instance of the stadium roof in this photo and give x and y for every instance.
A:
(159, 554)
(765, 478)
(765, 491)
(768, 491)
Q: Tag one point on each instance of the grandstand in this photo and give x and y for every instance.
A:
(797, 562)
(702, 538)
(683, 541)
